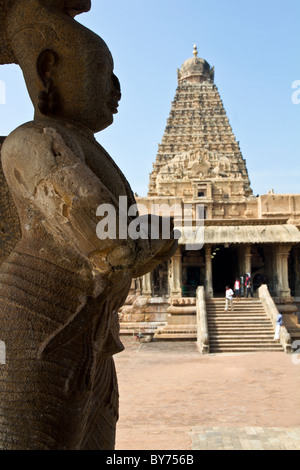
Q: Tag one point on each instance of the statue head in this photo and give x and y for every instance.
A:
(68, 69)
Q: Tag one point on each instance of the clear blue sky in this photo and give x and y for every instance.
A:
(254, 46)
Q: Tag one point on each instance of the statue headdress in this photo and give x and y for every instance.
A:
(69, 7)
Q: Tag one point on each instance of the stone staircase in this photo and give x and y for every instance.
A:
(181, 322)
(246, 329)
(177, 333)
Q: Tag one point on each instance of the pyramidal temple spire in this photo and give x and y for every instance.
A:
(198, 146)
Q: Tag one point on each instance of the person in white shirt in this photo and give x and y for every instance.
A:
(229, 298)
(279, 323)
(237, 289)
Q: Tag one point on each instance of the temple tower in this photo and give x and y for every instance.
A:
(199, 156)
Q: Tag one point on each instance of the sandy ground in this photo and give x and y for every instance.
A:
(168, 388)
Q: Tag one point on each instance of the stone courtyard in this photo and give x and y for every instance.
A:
(173, 398)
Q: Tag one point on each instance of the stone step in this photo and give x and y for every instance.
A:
(177, 332)
(245, 341)
(176, 336)
(247, 344)
(237, 321)
(236, 334)
(220, 325)
(264, 321)
(221, 308)
(236, 325)
(239, 324)
(240, 328)
(232, 315)
(179, 327)
(235, 312)
(236, 350)
(145, 327)
(242, 300)
(235, 304)
(235, 309)
(238, 304)
(173, 331)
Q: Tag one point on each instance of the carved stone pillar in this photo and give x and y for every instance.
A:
(175, 276)
(270, 268)
(208, 272)
(296, 254)
(138, 283)
(248, 259)
(146, 285)
(282, 256)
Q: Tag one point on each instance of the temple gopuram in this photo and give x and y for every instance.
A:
(199, 164)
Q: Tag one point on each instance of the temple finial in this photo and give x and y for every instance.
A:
(195, 52)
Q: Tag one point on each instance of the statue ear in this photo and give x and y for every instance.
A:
(48, 97)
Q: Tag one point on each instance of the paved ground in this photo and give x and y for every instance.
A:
(172, 398)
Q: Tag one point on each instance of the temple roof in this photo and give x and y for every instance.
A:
(196, 70)
(241, 234)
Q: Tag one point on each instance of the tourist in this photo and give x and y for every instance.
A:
(249, 287)
(237, 289)
(278, 327)
(229, 298)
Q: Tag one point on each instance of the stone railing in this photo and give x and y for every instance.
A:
(202, 328)
(272, 312)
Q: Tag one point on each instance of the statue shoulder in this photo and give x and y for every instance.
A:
(25, 146)
(30, 153)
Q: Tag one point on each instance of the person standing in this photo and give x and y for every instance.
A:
(248, 285)
(237, 289)
(279, 323)
(229, 298)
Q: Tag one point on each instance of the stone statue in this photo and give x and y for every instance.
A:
(61, 286)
